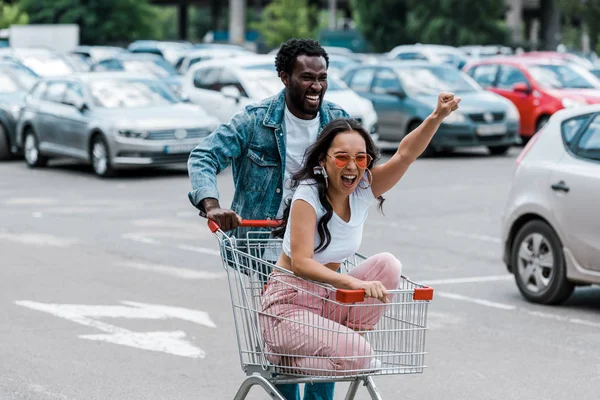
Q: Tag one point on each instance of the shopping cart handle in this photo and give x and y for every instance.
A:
(249, 223)
(349, 296)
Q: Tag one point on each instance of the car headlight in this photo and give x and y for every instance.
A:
(572, 103)
(512, 113)
(133, 134)
(455, 118)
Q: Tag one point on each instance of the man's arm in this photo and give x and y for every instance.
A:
(213, 155)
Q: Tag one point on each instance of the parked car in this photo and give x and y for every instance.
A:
(560, 56)
(405, 93)
(227, 86)
(111, 120)
(538, 87)
(551, 223)
(169, 50)
(144, 64)
(15, 82)
(192, 57)
(43, 62)
(93, 54)
(433, 53)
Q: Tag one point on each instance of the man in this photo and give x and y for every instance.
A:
(265, 143)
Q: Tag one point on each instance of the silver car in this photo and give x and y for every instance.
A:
(111, 120)
(551, 223)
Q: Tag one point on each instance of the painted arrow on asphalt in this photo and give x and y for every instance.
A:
(172, 342)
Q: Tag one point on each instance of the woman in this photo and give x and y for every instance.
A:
(323, 226)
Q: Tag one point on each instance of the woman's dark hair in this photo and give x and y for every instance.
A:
(314, 155)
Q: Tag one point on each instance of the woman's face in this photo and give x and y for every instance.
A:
(344, 177)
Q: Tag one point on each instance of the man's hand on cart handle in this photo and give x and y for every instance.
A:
(226, 219)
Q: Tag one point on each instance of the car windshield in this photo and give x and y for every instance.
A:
(121, 93)
(16, 80)
(48, 65)
(425, 80)
(157, 67)
(552, 76)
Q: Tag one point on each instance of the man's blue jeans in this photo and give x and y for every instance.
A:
(315, 391)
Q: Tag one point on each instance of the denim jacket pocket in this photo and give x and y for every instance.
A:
(260, 170)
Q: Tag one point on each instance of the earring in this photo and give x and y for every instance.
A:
(369, 179)
(320, 170)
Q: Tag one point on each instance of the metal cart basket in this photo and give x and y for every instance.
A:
(342, 348)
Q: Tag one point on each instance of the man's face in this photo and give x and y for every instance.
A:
(306, 86)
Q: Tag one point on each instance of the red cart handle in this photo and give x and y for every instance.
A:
(249, 223)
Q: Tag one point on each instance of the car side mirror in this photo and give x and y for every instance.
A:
(78, 103)
(231, 92)
(521, 87)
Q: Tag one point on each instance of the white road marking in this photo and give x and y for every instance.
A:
(138, 238)
(203, 250)
(38, 239)
(481, 302)
(171, 342)
(30, 201)
(176, 272)
(37, 215)
(473, 279)
(561, 318)
(484, 238)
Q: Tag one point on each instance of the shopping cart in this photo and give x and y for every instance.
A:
(396, 344)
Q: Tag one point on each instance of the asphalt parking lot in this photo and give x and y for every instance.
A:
(112, 289)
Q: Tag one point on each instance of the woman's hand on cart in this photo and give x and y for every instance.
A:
(373, 289)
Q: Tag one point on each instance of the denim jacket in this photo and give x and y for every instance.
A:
(254, 142)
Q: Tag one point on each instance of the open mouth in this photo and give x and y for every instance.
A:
(348, 180)
(313, 99)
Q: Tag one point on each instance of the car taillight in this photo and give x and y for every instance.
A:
(528, 147)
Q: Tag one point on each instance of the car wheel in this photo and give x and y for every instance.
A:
(541, 122)
(498, 150)
(4, 144)
(539, 264)
(100, 157)
(33, 156)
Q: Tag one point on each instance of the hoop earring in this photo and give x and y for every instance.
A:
(369, 179)
(320, 170)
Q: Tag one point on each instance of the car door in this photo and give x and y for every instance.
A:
(229, 105)
(48, 128)
(361, 81)
(387, 95)
(575, 186)
(205, 91)
(74, 122)
(508, 77)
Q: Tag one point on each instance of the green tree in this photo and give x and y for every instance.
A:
(588, 12)
(383, 22)
(458, 22)
(100, 21)
(12, 15)
(286, 19)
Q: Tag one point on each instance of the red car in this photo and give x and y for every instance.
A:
(537, 87)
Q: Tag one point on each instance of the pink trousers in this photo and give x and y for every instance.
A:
(305, 330)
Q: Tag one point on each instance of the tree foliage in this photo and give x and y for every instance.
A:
(383, 22)
(100, 21)
(586, 11)
(286, 19)
(12, 15)
(459, 22)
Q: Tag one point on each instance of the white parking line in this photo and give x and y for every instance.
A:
(481, 302)
(473, 279)
(38, 239)
(183, 273)
(202, 250)
(139, 238)
(484, 238)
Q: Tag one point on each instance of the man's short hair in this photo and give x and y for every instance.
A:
(291, 49)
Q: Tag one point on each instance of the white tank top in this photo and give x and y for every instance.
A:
(346, 237)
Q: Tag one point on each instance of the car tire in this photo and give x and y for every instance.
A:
(100, 156)
(498, 150)
(543, 120)
(539, 265)
(33, 156)
(4, 144)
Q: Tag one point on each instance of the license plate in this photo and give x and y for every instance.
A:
(179, 148)
(494, 129)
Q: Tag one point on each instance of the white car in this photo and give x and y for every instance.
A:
(551, 223)
(223, 87)
(195, 56)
